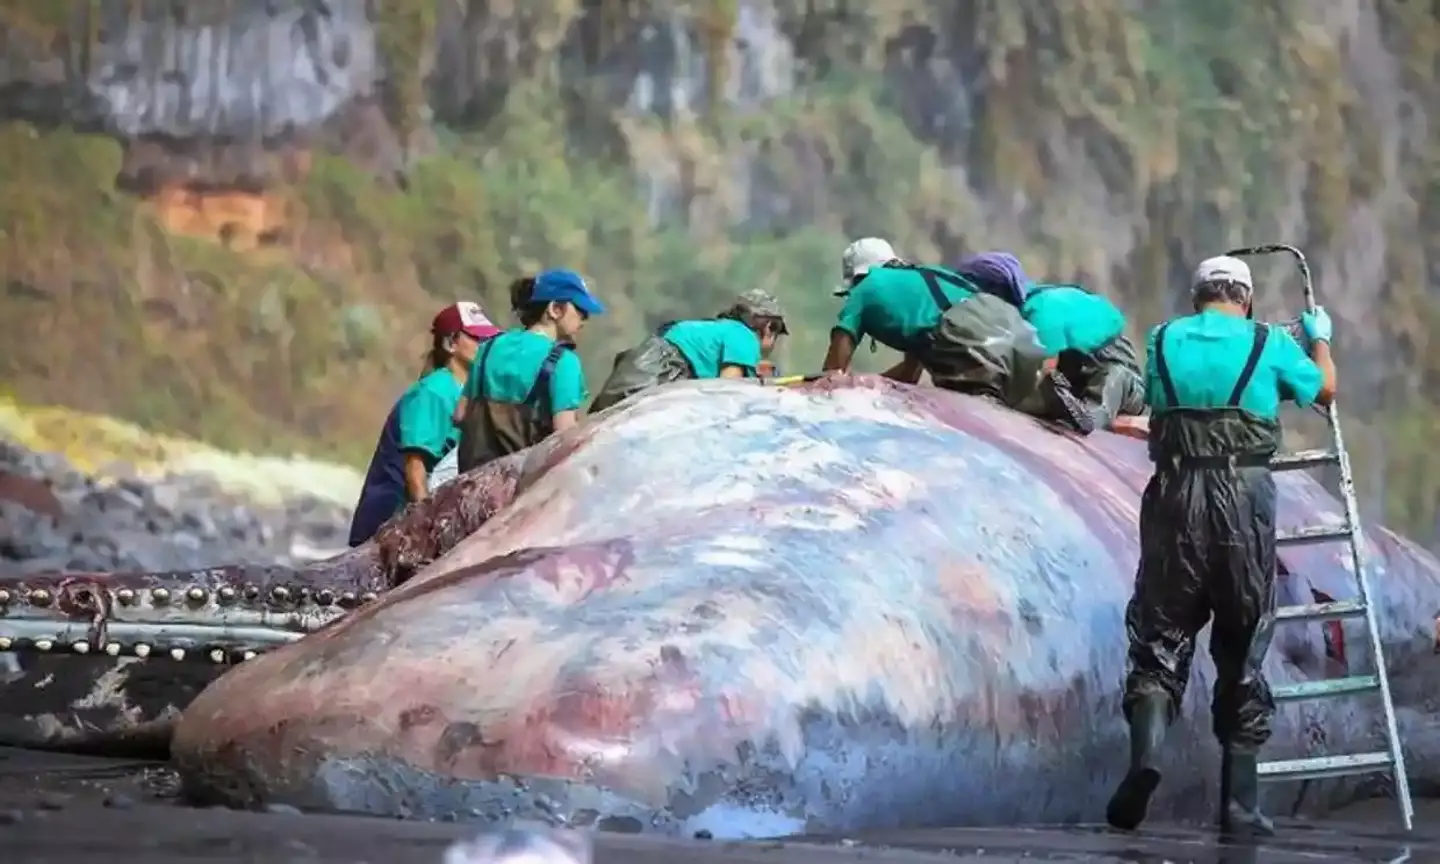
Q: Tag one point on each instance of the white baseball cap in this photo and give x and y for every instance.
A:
(859, 257)
(1223, 268)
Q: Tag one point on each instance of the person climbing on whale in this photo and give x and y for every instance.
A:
(1083, 332)
(1214, 382)
(733, 344)
(419, 431)
(527, 383)
(970, 341)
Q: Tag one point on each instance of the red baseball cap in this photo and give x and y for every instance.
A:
(464, 317)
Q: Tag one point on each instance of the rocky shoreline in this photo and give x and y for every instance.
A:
(54, 517)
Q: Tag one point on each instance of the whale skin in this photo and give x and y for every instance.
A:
(753, 611)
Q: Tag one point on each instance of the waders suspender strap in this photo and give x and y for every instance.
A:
(665, 328)
(933, 278)
(1256, 349)
(540, 390)
(480, 369)
(1162, 369)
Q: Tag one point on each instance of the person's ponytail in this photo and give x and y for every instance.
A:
(527, 310)
(437, 356)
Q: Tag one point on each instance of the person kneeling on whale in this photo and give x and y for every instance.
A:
(968, 340)
(733, 344)
(1084, 332)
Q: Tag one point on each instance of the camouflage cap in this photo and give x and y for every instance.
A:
(761, 304)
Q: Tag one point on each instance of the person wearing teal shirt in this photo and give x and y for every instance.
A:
(1085, 332)
(527, 384)
(418, 432)
(1214, 384)
(968, 340)
(1092, 363)
(730, 345)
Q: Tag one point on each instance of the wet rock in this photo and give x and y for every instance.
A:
(53, 517)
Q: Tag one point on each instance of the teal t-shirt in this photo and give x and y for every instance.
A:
(1072, 319)
(894, 305)
(513, 363)
(711, 345)
(1206, 353)
(424, 415)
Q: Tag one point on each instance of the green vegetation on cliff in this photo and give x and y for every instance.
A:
(1106, 143)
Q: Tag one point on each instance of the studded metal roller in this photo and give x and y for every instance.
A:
(220, 624)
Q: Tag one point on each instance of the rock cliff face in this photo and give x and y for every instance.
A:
(276, 193)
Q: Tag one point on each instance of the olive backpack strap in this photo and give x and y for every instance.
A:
(480, 368)
(539, 395)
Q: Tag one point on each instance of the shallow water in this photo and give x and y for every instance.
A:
(79, 810)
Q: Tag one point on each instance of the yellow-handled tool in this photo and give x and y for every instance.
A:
(787, 380)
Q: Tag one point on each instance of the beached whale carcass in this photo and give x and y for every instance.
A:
(749, 611)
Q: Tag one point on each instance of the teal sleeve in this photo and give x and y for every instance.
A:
(1154, 392)
(1300, 378)
(740, 347)
(425, 422)
(1110, 321)
(567, 384)
(852, 314)
(1051, 331)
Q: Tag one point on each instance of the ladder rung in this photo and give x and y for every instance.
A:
(1304, 459)
(1321, 611)
(1324, 766)
(1314, 534)
(1328, 687)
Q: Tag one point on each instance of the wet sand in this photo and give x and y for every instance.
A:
(78, 810)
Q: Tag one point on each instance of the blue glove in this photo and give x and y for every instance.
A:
(1317, 325)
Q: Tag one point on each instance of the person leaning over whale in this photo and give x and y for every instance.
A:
(968, 340)
(1082, 331)
(527, 383)
(733, 344)
(419, 431)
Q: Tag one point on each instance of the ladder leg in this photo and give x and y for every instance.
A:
(1392, 759)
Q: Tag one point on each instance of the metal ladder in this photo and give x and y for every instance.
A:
(1392, 759)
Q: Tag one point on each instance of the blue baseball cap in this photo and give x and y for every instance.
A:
(565, 286)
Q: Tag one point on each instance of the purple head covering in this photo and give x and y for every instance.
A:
(997, 273)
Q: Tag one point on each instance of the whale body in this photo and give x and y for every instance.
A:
(751, 611)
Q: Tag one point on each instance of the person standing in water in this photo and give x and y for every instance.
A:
(527, 384)
(419, 431)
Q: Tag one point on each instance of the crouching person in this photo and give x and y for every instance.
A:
(968, 340)
(733, 344)
(1094, 361)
